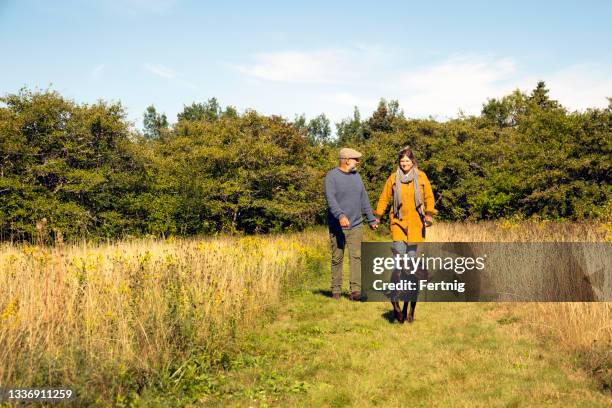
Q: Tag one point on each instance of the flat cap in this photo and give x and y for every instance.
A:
(347, 153)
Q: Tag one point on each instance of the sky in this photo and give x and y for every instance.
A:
(288, 58)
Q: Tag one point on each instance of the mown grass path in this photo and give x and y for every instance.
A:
(321, 352)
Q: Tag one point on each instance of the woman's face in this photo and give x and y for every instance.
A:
(406, 164)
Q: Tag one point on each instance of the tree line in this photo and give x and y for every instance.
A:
(70, 170)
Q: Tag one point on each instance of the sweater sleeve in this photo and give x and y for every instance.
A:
(385, 197)
(366, 208)
(330, 197)
(428, 196)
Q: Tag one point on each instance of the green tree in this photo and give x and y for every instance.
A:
(350, 130)
(84, 170)
(506, 111)
(319, 130)
(383, 118)
(75, 165)
(229, 112)
(249, 174)
(154, 123)
(210, 111)
(539, 96)
(299, 123)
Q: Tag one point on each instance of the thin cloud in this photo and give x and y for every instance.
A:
(460, 72)
(363, 74)
(319, 66)
(97, 71)
(334, 81)
(458, 83)
(169, 74)
(465, 83)
(349, 100)
(161, 71)
(581, 86)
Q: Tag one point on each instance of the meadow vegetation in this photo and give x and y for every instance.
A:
(322, 353)
(112, 319)
(172, 321)
(581, 330)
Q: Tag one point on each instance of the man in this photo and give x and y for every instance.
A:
(347, 200)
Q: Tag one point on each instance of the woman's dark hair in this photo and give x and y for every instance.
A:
(406, 151)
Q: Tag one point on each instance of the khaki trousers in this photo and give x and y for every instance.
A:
(341, 239)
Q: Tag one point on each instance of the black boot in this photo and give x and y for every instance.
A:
(410, 316)
(397, 312)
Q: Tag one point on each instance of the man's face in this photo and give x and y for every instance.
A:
(352, 164)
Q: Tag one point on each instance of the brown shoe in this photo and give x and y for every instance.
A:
(336, 296)
(355, 296)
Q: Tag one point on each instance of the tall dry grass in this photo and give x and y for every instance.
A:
(579, 328)
(524, 231)
(111, 318)
(107, 319)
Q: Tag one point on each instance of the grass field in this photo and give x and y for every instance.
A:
(249, 322)
(112, 320)
(320, 352)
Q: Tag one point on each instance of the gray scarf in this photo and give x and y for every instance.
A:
(406, 178)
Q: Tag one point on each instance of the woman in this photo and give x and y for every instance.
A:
(409, 191)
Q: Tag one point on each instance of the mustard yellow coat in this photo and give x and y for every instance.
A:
(409, 228)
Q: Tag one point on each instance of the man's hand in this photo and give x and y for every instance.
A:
(428, 220)
(375, 224)
(344, 221)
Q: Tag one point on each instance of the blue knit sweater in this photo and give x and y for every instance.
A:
(346, 195)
